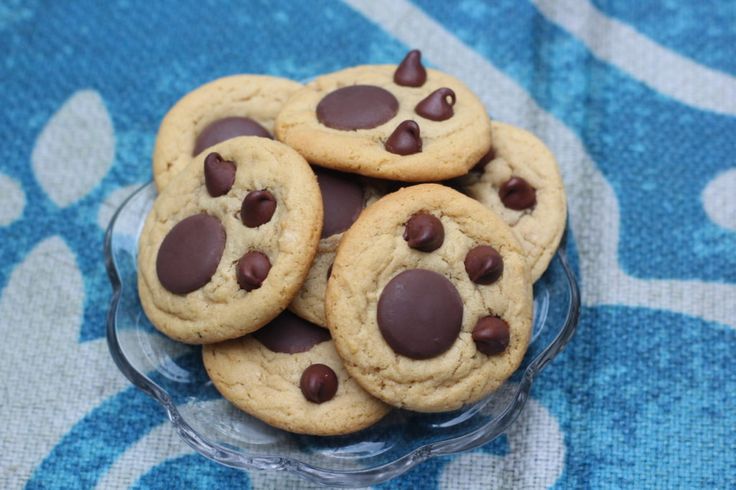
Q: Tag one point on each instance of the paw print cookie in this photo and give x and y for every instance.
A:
(343, 198)
(401, 122)
(430, 301)
(239, 105)
(289, 375)
(229, 241)
(519, 180)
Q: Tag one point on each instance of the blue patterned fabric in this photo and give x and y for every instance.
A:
(637, 99)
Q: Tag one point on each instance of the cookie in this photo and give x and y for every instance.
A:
(519, 180)
(403, 123)
(343, 198)
(239, 105)
(289, 375)
(229, 241)
(430, 301)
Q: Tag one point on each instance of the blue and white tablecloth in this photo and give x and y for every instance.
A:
(636, 98)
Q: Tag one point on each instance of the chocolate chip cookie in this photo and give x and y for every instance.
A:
(343, 198)
(229, 241)
(520, 181)
(289, 375)
(430, 301)
(401, 122)
(239, 105)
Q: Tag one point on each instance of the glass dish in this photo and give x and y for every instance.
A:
(172, 373)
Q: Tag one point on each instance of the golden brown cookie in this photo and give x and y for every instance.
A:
(403, 123)
(429, 302)
(519, 180)
(229, 241)
(289, 375)
(238, 105)
(343, 198)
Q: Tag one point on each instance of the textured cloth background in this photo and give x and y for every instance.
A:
(637, 99)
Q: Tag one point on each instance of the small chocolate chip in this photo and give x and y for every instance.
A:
(424, 232)
(318, 383)
(289, 334)
(252, 270)
(219, 174)
(484, 264)
(484, 160)
(258, 208)
(436, 106)
(516, 193)
(342, 200)
(225, 129)
(190, 253)
(357, 107)
(491, 335)
(419, 313)
(411, 72)
(405, 140)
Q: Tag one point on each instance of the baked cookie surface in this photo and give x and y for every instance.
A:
(368, 120)
(343, 198)
(238, 105)
(289, 375)
(429, 302)
(229, 242)
(520, 181)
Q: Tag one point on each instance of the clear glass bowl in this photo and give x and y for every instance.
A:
(172, 373)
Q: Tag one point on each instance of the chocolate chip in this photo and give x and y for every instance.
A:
(219, 174)
(342, 200)
(289, 334)
(491, 335)
(258, 208)
(419, 313)
(189, 254)
(357, 107)
(424, 232)
(484, 264)
(405, 139)
(226, 128)
(252, 270)
(411, 72)
(516, 193)
(436, 106)
(318, 383)
(484, 160)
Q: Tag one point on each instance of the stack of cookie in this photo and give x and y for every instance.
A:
(379, 253)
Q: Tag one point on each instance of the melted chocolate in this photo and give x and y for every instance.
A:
(424, 232)
(225, 129)
(405, 140)
(289, 334)
(318, 383)
(357, 107)
(484, 264)
(420, 313)
(411, 72)
(491, 335)
(190, 253)
(436, 105)
(258, 208)
(342, 200)
(219, 174)
(252, 270)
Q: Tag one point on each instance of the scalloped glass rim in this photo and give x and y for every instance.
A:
(537, 358)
